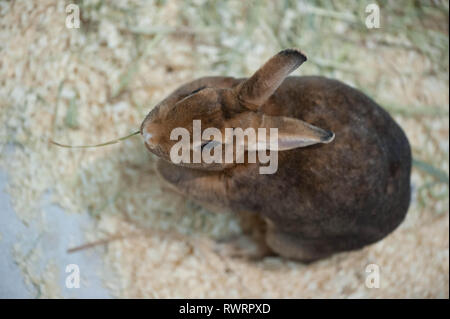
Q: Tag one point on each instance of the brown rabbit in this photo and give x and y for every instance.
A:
(334, 196)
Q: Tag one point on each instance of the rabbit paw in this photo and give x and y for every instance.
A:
(243, 247)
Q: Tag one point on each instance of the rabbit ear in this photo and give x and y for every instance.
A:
(290, 133)
(257, 89)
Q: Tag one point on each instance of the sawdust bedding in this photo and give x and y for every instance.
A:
(82, 87)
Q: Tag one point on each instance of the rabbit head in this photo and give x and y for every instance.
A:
(234, 107)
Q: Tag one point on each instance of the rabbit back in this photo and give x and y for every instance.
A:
(356, 187)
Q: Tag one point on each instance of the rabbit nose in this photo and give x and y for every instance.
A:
(148, 138)
(149, 132)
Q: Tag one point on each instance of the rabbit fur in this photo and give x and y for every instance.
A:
(348, 187)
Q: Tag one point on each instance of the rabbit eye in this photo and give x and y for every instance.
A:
(209, 144)
(205, 143)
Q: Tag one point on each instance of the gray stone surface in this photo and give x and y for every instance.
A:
(62, 231)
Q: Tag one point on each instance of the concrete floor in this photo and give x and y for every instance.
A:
(63, 231)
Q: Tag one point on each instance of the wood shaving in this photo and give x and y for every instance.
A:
(94, 84)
